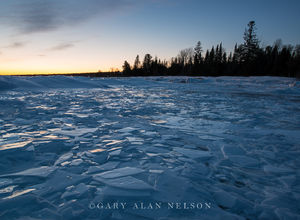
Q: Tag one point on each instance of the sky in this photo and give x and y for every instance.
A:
(67, 36)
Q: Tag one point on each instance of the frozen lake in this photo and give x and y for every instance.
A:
(221, 148)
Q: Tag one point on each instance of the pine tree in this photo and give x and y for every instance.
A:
(230, 57)
(212, 56)
(219, 53)
(137, 63)
(206, 59)
(197, 58)
(126, 68)
(198, 51)
(250, 48)
(235, 56)
(147, 63)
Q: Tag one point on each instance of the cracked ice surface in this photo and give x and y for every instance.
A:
(68, 141)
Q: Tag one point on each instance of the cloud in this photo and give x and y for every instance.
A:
(62, 46)
(45, 15)
(15, 45)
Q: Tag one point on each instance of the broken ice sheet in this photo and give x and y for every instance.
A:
(124, 171)
(107, 166)
(112, 142)
(244, 161)
(277, 170)
(76, 192)
(170, 187)
(135, 139)
(156, 150)
(59, 181)
(43, 171)
(127, 130)
(225, 199)
(63, 158)
(194, 154)
(15, 145)
(126, 182)
(109, 191)
(19, 193)
(115, 152)
(8, 189)
(158, 127)
(76, 132)
(76, 162)
(5, 182)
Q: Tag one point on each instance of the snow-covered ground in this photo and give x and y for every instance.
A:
(76, 148)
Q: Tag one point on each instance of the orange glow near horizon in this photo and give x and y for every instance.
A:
(25, 61)
(45, 71)
(37, 72)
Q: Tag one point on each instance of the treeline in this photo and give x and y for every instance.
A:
(246, 59)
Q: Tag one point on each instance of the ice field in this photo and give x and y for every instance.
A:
(76, 147)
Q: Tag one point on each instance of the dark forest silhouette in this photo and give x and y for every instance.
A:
(247, 59)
